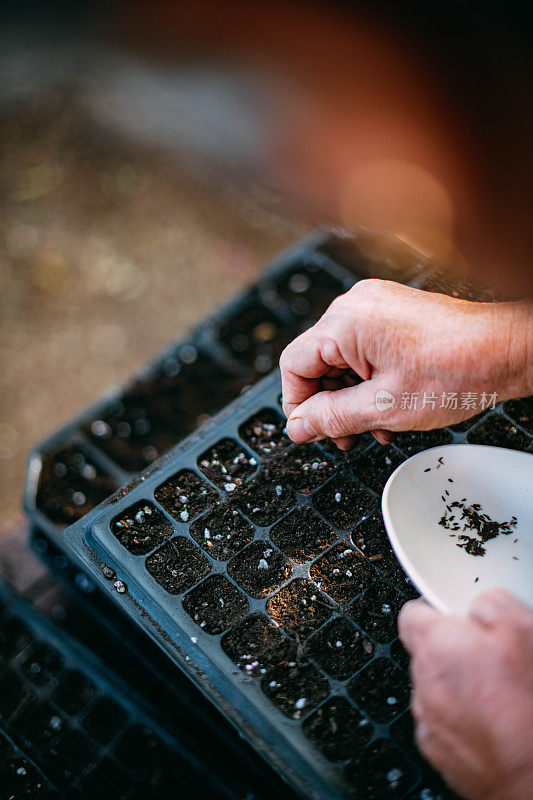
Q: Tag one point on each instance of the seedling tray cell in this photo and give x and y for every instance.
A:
(278, 599)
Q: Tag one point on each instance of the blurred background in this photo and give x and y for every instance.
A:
(154, 155)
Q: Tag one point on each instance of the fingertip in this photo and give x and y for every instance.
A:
(414, 619)
(489, 607)
(383, 437)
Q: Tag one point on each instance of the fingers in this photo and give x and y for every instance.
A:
(383, 437)
(415, 621)
(497, 607)
(335, 415)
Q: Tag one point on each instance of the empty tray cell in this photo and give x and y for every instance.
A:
(521, 411)
(344, 501)
(381, 689)
(265, 502)
(249, 644)
(300, 608)
(71, 484)
(340, 649)
(370, 537)
(41, 664)
(376, 611)
(216, 604)
(178, 565)
(305, 467)
(105, 720)
(74, 692)
(400, 655)
(498, 431)
(294, 687)
(185, 495)
(302, 535)
(338, 729)
(308, 290)
(381, 772)
(222, 532)
(256, 337)
(412, 442)
(227, 464)
(260, 569)
(342, 573)
(141, 527)
(265, 432)
(375, 466)
(131, 432)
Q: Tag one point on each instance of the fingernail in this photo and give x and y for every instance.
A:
(301, 431)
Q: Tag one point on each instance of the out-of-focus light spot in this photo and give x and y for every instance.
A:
(400, 197)
(50, 271)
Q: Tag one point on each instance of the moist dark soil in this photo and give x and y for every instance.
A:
(370, 537)
(259, 569)
(264, 432)
(400, 655)
(498, 431)
(185, 495)
(381, 772)
(294, 687)
(338, 729)
(71, 484)
(412, 442)
(342, 573)
(381, 689)
(339, 648)
(521, 411)
(131, 432)
(178, 565)
(264, 502)
(227, 464)
(375, 466)
(340, 457)
(249, 644)
(302, 535)
(216, 604)
(222, 532)
(300, 608)
(403, 731)
(344, 501)
(141, 527)
(376, 611)
(256, 337)
(305, 467)
(308, 290)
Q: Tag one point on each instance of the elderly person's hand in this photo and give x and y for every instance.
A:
(408, 343)
(473, 694)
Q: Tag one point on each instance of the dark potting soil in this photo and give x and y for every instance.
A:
(342, 573)
(374, 467)
(411, 442)
(71, 484)
(362, 443)
(381, 689)
(227, 464)
(256, 337)
(178, 565)
(216, 604)
(300, 608)
(381, 772)
(305, 467)
(466, 424)
(264, 502)
(403, 731)
(338, 729)
(141, 527)
(185, 495)
(222, 532)
(376, 611)
(400, 655)
(339, 648)
(521, 411)
(302, 535)
(308, 290)
(249, 644)
(295, 687)
(259, 569)
(344, 501)
(265, 432)
(370, 537)
(498, 431)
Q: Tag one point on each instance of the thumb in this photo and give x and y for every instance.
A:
(336, 414)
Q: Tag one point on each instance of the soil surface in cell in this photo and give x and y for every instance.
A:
(342, 573)
(222, 532)
(250, 642)
(185, 495)
(375, 466)
(295, 687)
(370, 537)
(227, 465)
(305, 467)
(498, 431)
(264, 432)
(376, 611)
(381, 771)
(381, 689)
(256, 337)
(521, 411)
(178, 565)
(260, 569)
(338, 729)
(308, 290)
(344, 501)
(302, 535)
(141, 527)
(300, 608)
(412, 442)
(264, 501)
(215, 604)
(340, 649)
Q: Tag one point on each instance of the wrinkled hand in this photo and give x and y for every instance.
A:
(473, 694)
(401, 340)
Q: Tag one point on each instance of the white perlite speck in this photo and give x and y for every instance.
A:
(184, 516)
(263, 564)
(299, 704)
(338, 497)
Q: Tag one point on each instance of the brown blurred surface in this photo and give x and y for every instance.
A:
(108, 251)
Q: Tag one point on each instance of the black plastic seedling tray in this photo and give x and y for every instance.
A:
(127, 429)
(263, 569)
